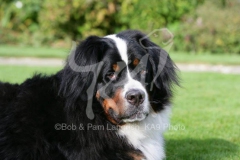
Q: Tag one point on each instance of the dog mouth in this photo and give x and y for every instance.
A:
(136, 116)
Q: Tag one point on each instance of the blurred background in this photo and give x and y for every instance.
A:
(201, 36)
(197, 25)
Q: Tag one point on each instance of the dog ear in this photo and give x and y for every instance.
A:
(164, 78)
(164, 74)
(80, 71)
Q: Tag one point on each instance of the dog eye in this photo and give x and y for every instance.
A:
(111, 76)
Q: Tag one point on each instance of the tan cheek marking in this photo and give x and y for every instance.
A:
(116, 67)
(135, 62)
(117, 95)
(116, 103)
(109, 103)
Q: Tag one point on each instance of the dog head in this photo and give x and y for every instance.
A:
(127, 74)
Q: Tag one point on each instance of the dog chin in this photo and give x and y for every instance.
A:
(135, 117)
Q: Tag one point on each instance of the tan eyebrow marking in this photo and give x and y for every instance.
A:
(116, 67)
(135, 62)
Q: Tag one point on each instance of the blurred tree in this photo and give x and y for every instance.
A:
(211, 28)
(154, 14)
(48, 22)
(79, 18)
(19, 20)
(42, 21)
(223, 3)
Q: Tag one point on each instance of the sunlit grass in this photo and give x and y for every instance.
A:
(227, 59)
(40, 52)
(207, 109)
(17, 74)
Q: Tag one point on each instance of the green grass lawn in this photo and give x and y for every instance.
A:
(41, 52)
(17, 74)
(227, 59)
(206, 108)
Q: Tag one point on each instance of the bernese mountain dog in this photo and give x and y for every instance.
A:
(111, 101)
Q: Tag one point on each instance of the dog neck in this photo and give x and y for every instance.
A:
(147, 135)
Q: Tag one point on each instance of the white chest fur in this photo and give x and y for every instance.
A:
(147, 135)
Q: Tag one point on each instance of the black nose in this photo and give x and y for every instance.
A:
(135, 97)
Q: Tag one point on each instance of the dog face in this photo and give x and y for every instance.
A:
(126, 81)
(124, 97)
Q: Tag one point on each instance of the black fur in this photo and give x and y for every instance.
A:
(159, 84)
(30, 111)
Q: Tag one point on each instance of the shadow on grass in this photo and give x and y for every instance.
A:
(193, 149)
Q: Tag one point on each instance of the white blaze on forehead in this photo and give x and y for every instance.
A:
(130, 82)
(121, 46)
